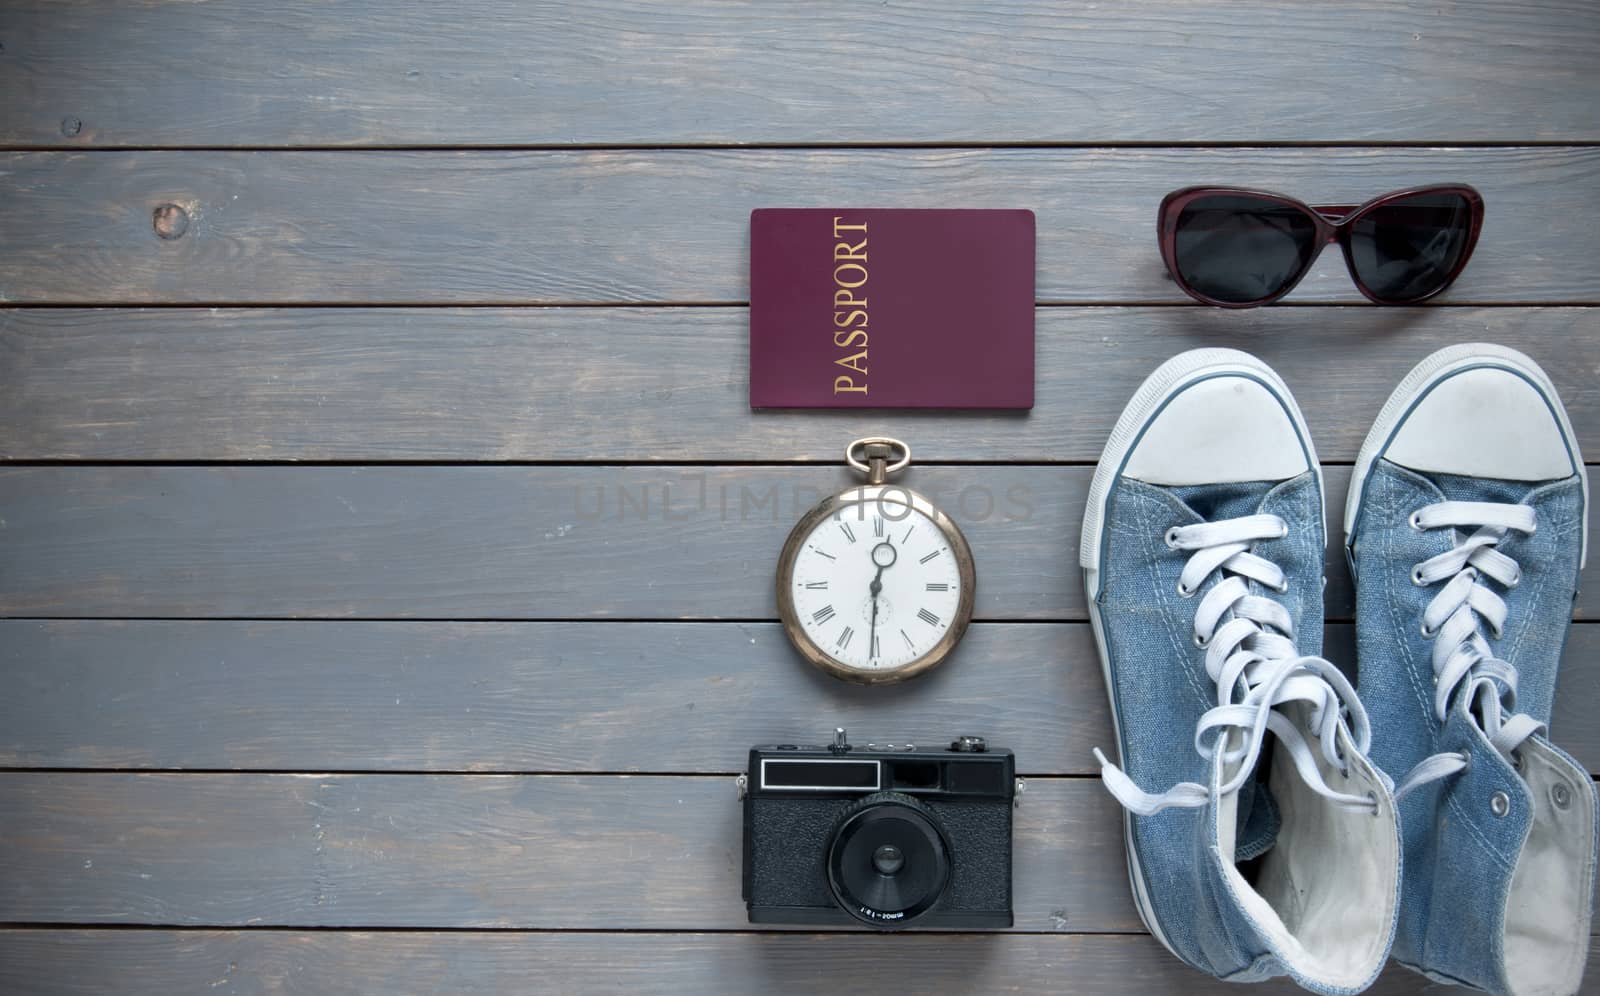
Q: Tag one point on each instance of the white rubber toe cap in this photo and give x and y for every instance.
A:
(1223, 429)
(1483, 422)
(1207, 416)
(1477, 410)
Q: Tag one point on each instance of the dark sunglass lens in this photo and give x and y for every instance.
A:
(1408, 249)
(1241, 249)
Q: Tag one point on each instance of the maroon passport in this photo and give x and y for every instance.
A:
(891, 308)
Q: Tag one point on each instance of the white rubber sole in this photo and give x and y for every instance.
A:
(1422, 378)
(1141, 894)
(1168, 379)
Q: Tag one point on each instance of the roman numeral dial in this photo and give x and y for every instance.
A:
(871, 590)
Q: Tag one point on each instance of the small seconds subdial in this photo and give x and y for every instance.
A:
(876, 585)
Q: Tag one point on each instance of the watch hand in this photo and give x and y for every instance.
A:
(883, 555)
(872, 636)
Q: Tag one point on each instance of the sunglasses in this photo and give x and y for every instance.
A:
(1241, 248)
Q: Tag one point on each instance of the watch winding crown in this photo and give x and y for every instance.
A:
(883, 456)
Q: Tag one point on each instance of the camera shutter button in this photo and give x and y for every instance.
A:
(969, 745)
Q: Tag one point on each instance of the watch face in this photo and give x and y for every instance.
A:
(877, 586)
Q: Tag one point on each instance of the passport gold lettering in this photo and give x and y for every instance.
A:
(851, 318)
(851, 327)
(856, 362)
(844, 252)
(851, 275)
(847, 299)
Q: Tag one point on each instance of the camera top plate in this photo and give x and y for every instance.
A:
(967, 768)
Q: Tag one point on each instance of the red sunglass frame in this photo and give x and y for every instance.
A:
(1333, 224)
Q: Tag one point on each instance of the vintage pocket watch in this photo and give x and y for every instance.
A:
(875, 583)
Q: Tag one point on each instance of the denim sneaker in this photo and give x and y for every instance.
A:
(1465, 530)
(1202, 551)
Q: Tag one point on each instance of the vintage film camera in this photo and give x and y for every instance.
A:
(887, 836)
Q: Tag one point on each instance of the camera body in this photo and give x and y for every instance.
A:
(882, 836)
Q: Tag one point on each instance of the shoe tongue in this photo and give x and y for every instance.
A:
(1256, 829)
(1256, 819)
(1458, 488)
(1215, 502)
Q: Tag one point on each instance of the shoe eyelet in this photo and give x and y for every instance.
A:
(1516, 579)
(1499, 804)
(1561, 795)
(1201, 641)
(1282, 589)
(1428, 634)
(1172, 538)
(1184, 591)
(1377, 809)
(1416, 520)
(1417, 579)
(1283, 530)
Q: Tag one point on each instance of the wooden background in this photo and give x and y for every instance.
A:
(385, 539)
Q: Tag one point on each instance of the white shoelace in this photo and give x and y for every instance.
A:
(1251, 655)
(1462, 658)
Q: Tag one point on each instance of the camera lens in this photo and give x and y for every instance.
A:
(888, 862)
(888, 859)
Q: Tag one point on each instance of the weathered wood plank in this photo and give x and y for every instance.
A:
(628, 226)
(658, 384)
(564, 697)
(479, 542)
(498, 542)
(546, 851)
(92, 73)
(654, 697)
(92, 962)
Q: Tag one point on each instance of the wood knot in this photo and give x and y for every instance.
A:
(171, 221)
(70, 126)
